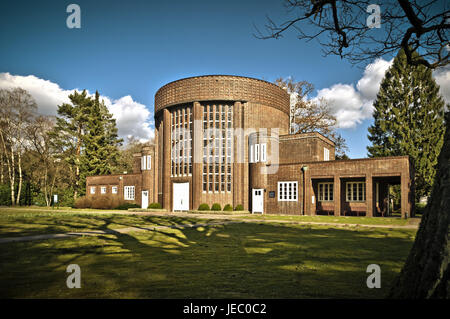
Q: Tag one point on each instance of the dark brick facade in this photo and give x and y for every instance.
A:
(263, 155)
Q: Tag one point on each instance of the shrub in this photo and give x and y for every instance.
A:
(102, 202)
(228, 208)
(126, 206)
(83, 202)
(216, 207)
(203, 207)
(239, 207)
(155, 205)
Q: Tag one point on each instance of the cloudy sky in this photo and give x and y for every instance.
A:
(127, 50)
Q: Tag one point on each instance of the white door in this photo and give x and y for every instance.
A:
(257, 200)
(144, 201)
(180, 196)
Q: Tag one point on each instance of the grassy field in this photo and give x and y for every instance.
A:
(395, 221)
(239, 260)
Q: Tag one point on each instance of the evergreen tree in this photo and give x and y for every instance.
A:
(85, 136)
(409, 120)
(67, 135)
(101, 152)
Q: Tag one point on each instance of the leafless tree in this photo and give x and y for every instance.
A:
(310, 115)
(17, 109)
(341, 27)
(46, 166)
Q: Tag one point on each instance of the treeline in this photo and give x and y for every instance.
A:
(45, 155)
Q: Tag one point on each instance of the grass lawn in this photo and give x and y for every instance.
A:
(396, 221)
(239, 260)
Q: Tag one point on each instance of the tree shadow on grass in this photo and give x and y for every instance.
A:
(242, 260)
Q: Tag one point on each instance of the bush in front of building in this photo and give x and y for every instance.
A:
(239, 207)
(155, 206)
(83, 202)
(125, 206)
(216, 207)
(228, 208)
(203, 207)
(103, 202)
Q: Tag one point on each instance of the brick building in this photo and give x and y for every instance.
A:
(225, 139)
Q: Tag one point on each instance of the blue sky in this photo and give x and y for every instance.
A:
(131, 48)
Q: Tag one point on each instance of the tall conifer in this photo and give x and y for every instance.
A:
(409, 120)
(100, 154)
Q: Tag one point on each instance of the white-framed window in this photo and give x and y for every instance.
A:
(287, 191)
(128, 192)
(325, 192)
(326, 154)
(258, 153)
(263, 152)
(103, 190)
(355, 191)
(92, 189)
(149, 162)
(114, 190)
(143, 163)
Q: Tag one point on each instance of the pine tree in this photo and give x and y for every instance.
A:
(409, 120)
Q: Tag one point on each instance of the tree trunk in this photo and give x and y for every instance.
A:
(2, 162)
(52, 187)
(19, 166)
(77, 164)
(12, 179)
(47, 202)
(426, 273)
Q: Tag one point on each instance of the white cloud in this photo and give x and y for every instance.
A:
(369, 84)
(352, 105)
(133, 118)
(442, 77)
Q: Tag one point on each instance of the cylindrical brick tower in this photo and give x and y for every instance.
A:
(202, 127)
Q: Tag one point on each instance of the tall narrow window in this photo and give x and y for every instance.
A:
(252, 151)
(217, 145)
(263, 152)
(256, 153)
(181, 141)
(326, 154)
(143, 163)
(149, 162)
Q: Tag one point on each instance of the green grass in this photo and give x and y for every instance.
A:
(17, 222)
(240, 260)
(339, 220)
